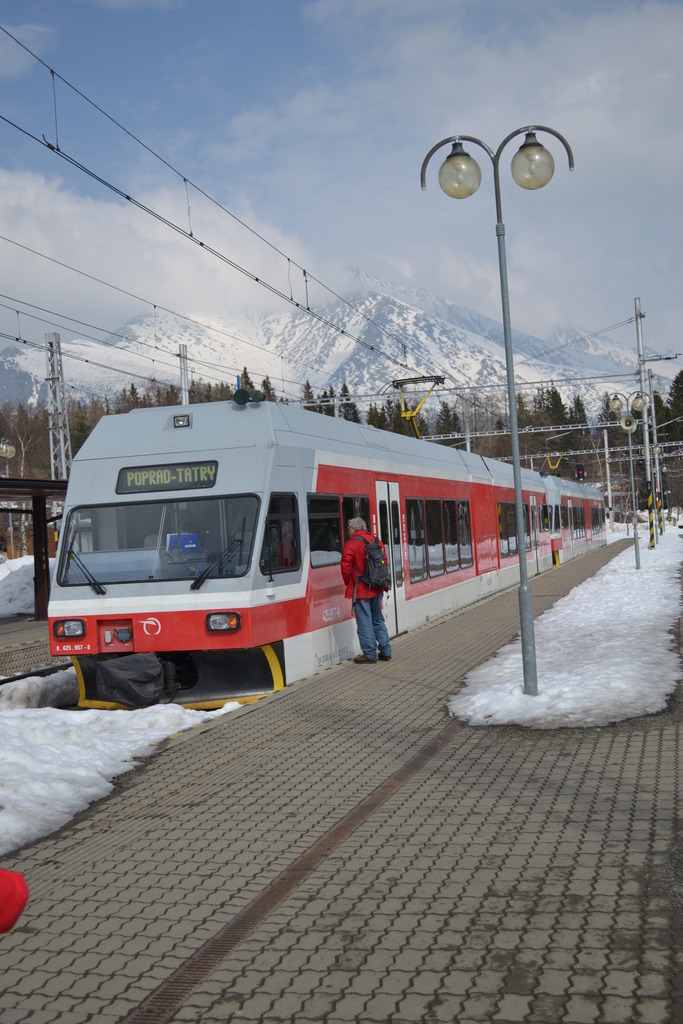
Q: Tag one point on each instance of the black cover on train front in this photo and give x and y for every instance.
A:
(134, 680)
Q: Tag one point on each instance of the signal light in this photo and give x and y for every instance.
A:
(242, 397)
(579, 474)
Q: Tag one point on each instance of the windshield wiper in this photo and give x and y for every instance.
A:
(95, 584)
(217, 564)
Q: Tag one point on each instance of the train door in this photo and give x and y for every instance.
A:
(389, 530)
(570, 518)
(534, 528)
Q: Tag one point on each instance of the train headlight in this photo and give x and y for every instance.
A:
(64, 628)
(223, 622)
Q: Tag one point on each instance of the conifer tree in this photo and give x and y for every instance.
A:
(555, 407)
(675, 404)
(577, 439)
(348, 410)
(397, 423)
(447, 421)
(606, 415)
(245, 381)
(327, 406)
(309, 401)
(377, 417)
(268, 389)
(525, 416)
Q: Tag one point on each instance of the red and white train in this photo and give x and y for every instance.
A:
(199, 554)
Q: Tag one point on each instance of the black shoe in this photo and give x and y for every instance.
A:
(360, 659)
(384, 657)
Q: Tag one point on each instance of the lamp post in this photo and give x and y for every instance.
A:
(658, 479)
(636, 405)
(532, 167)
(7, 452)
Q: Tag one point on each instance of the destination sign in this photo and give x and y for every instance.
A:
(174, 476)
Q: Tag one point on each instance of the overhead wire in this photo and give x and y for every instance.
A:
(18, 339)
(586, 337)
(211, 250)
(151, 380)
(139, 341)
(459, 388)
(219, 377)
(189, 234)
(81, 359)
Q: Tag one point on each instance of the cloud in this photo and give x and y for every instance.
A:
(16, 62)
(111, 243)
(322, 159)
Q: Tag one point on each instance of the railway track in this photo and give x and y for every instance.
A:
(46, 670)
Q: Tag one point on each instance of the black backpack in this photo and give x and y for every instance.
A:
(377, 573)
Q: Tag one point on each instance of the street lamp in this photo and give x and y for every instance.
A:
(636, 404)
(532, 167)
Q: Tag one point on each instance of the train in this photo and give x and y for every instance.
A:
(200, 546)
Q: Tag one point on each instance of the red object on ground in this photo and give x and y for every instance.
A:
(13, 898)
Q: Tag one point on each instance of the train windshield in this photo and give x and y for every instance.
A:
(158, 540)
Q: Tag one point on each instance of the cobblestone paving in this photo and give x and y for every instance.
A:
(513, 876)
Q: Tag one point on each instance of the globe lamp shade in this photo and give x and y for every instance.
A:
(532, 165)
(459, 174)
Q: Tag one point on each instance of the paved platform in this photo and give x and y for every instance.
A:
(343, 851)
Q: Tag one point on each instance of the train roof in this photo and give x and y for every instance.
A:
(557, 486)
(151, 433)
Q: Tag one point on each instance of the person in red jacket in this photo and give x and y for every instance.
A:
(13, 897)
(372, 629)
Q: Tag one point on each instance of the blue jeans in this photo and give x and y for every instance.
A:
(372, 629)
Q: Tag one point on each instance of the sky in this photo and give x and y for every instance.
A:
(283, 139)
(624, 666)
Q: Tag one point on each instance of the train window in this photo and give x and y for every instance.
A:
(557, 524)
(280, 548)
(579, 521)
(465, 535)
(435, 556)
(507, 528)
(355, 506)
(396, 542)
(544, 517)
(564, 516)
(383, 518)
(140, 542)
(450, 535)
(324, 529)
(417, 555)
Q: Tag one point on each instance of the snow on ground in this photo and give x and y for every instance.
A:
(604, 653)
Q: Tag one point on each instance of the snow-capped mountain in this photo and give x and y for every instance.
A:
(375, 334)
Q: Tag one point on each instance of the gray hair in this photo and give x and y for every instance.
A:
(356, 524)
